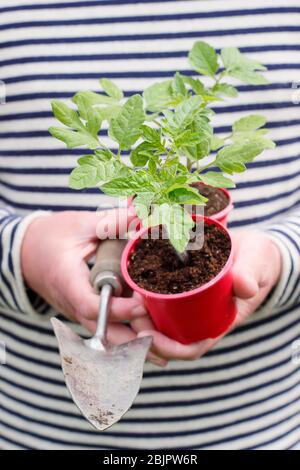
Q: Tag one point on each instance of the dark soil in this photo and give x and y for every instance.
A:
(155, 266)
(217, 200)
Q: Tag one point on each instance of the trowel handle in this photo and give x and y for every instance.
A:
(107, 267)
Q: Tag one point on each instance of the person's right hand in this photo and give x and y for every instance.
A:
(53, 257)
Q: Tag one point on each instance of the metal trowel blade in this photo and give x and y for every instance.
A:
(103, 384)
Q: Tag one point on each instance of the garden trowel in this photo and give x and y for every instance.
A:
(103, 379)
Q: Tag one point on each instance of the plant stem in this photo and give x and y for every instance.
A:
(184, 257)
(206, 166)
(189, 164)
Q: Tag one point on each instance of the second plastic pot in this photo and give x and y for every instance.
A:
(205, 312)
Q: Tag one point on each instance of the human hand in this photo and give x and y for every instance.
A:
(54, 258)
(256, 269)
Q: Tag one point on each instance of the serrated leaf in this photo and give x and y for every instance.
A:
(232, 159)
(111, 89)
(74, 139)
(106, 113)
(217, 180)
(204, 59)
(126, 187)
(216, 142)
(91, 98)
(232, 58)
(177, 222)
(83, 176)
(126, 127)
(225, 89)
(158, 96)
(66, 115)
(94, 122)
(178, 85)
(142, 203)
(140, 155)
(248, 76)
(249, 123)
(196, 85)
(185, 111)
(186, 195)
(150, 134)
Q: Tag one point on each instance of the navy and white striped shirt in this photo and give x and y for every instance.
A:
(245, 392)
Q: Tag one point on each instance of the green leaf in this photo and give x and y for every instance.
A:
(196, 85)
(186, 111)
(204, 130)
(126, 127)
(94, 122)
(232, 58)
(104, 154)
(141, 154)
(95, 172)
(248, 76)
(232, 159)
(91, 98)
(225, 89)
(142, 203)
(204, 59)
(249, 123)
(106, 113)
(152, 166)
(216, 142)
(241, 67)
(186, 195)
(66, 115)
(83, 176)
(217, 180)
(111, 89)
(178, 85)
(150, 134)
(159, 96)
(74, 138)
(177, 222)
(126, 187)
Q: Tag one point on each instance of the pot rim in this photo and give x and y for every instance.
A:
(224, 212)
(182, 295)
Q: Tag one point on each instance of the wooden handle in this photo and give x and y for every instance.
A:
(108, 263)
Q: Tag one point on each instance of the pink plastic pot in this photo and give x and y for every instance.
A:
(221, 216)
(191, 316)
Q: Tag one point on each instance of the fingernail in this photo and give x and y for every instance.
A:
(156, 360)
(139, 311)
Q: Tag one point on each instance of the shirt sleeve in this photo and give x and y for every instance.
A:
(286, 235)
(14, 294)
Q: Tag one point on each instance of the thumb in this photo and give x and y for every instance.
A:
(245, 272)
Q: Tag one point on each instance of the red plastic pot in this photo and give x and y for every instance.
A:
(191, 316)
(221, 216)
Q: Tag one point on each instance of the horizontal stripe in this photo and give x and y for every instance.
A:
(149, 18)
(139, 56)
(149, 37)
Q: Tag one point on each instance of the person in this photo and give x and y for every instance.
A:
(239, 392)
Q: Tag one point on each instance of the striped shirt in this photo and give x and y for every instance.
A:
(245, 392)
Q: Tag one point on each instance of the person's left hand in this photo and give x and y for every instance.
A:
(256, 270)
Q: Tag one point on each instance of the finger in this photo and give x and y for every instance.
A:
(170, 349)
(145, 324)
(245, 271)
(128, 308)
(113, 223)
(106, 223)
